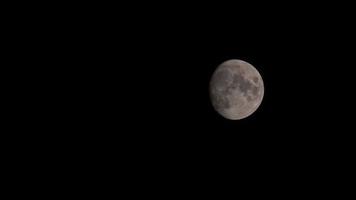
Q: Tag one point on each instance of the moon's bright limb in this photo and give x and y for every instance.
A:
(236, 89)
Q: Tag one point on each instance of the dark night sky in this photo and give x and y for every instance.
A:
(153, 74)
(134, 91)
(151, 88)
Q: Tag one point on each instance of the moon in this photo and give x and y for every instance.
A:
(236, 89)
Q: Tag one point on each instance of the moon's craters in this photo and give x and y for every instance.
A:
(236, 89)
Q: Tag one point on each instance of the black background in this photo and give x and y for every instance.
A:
(131, 91)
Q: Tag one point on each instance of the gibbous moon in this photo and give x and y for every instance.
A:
(236, 89)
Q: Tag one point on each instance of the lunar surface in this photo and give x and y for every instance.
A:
(236, 89)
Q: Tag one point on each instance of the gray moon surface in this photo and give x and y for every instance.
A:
(236, 89)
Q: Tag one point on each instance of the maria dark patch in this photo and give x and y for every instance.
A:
(243, 84)
(220, 101)
(255, 79)
(229, 89)
(254, 90)
(221, 77)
